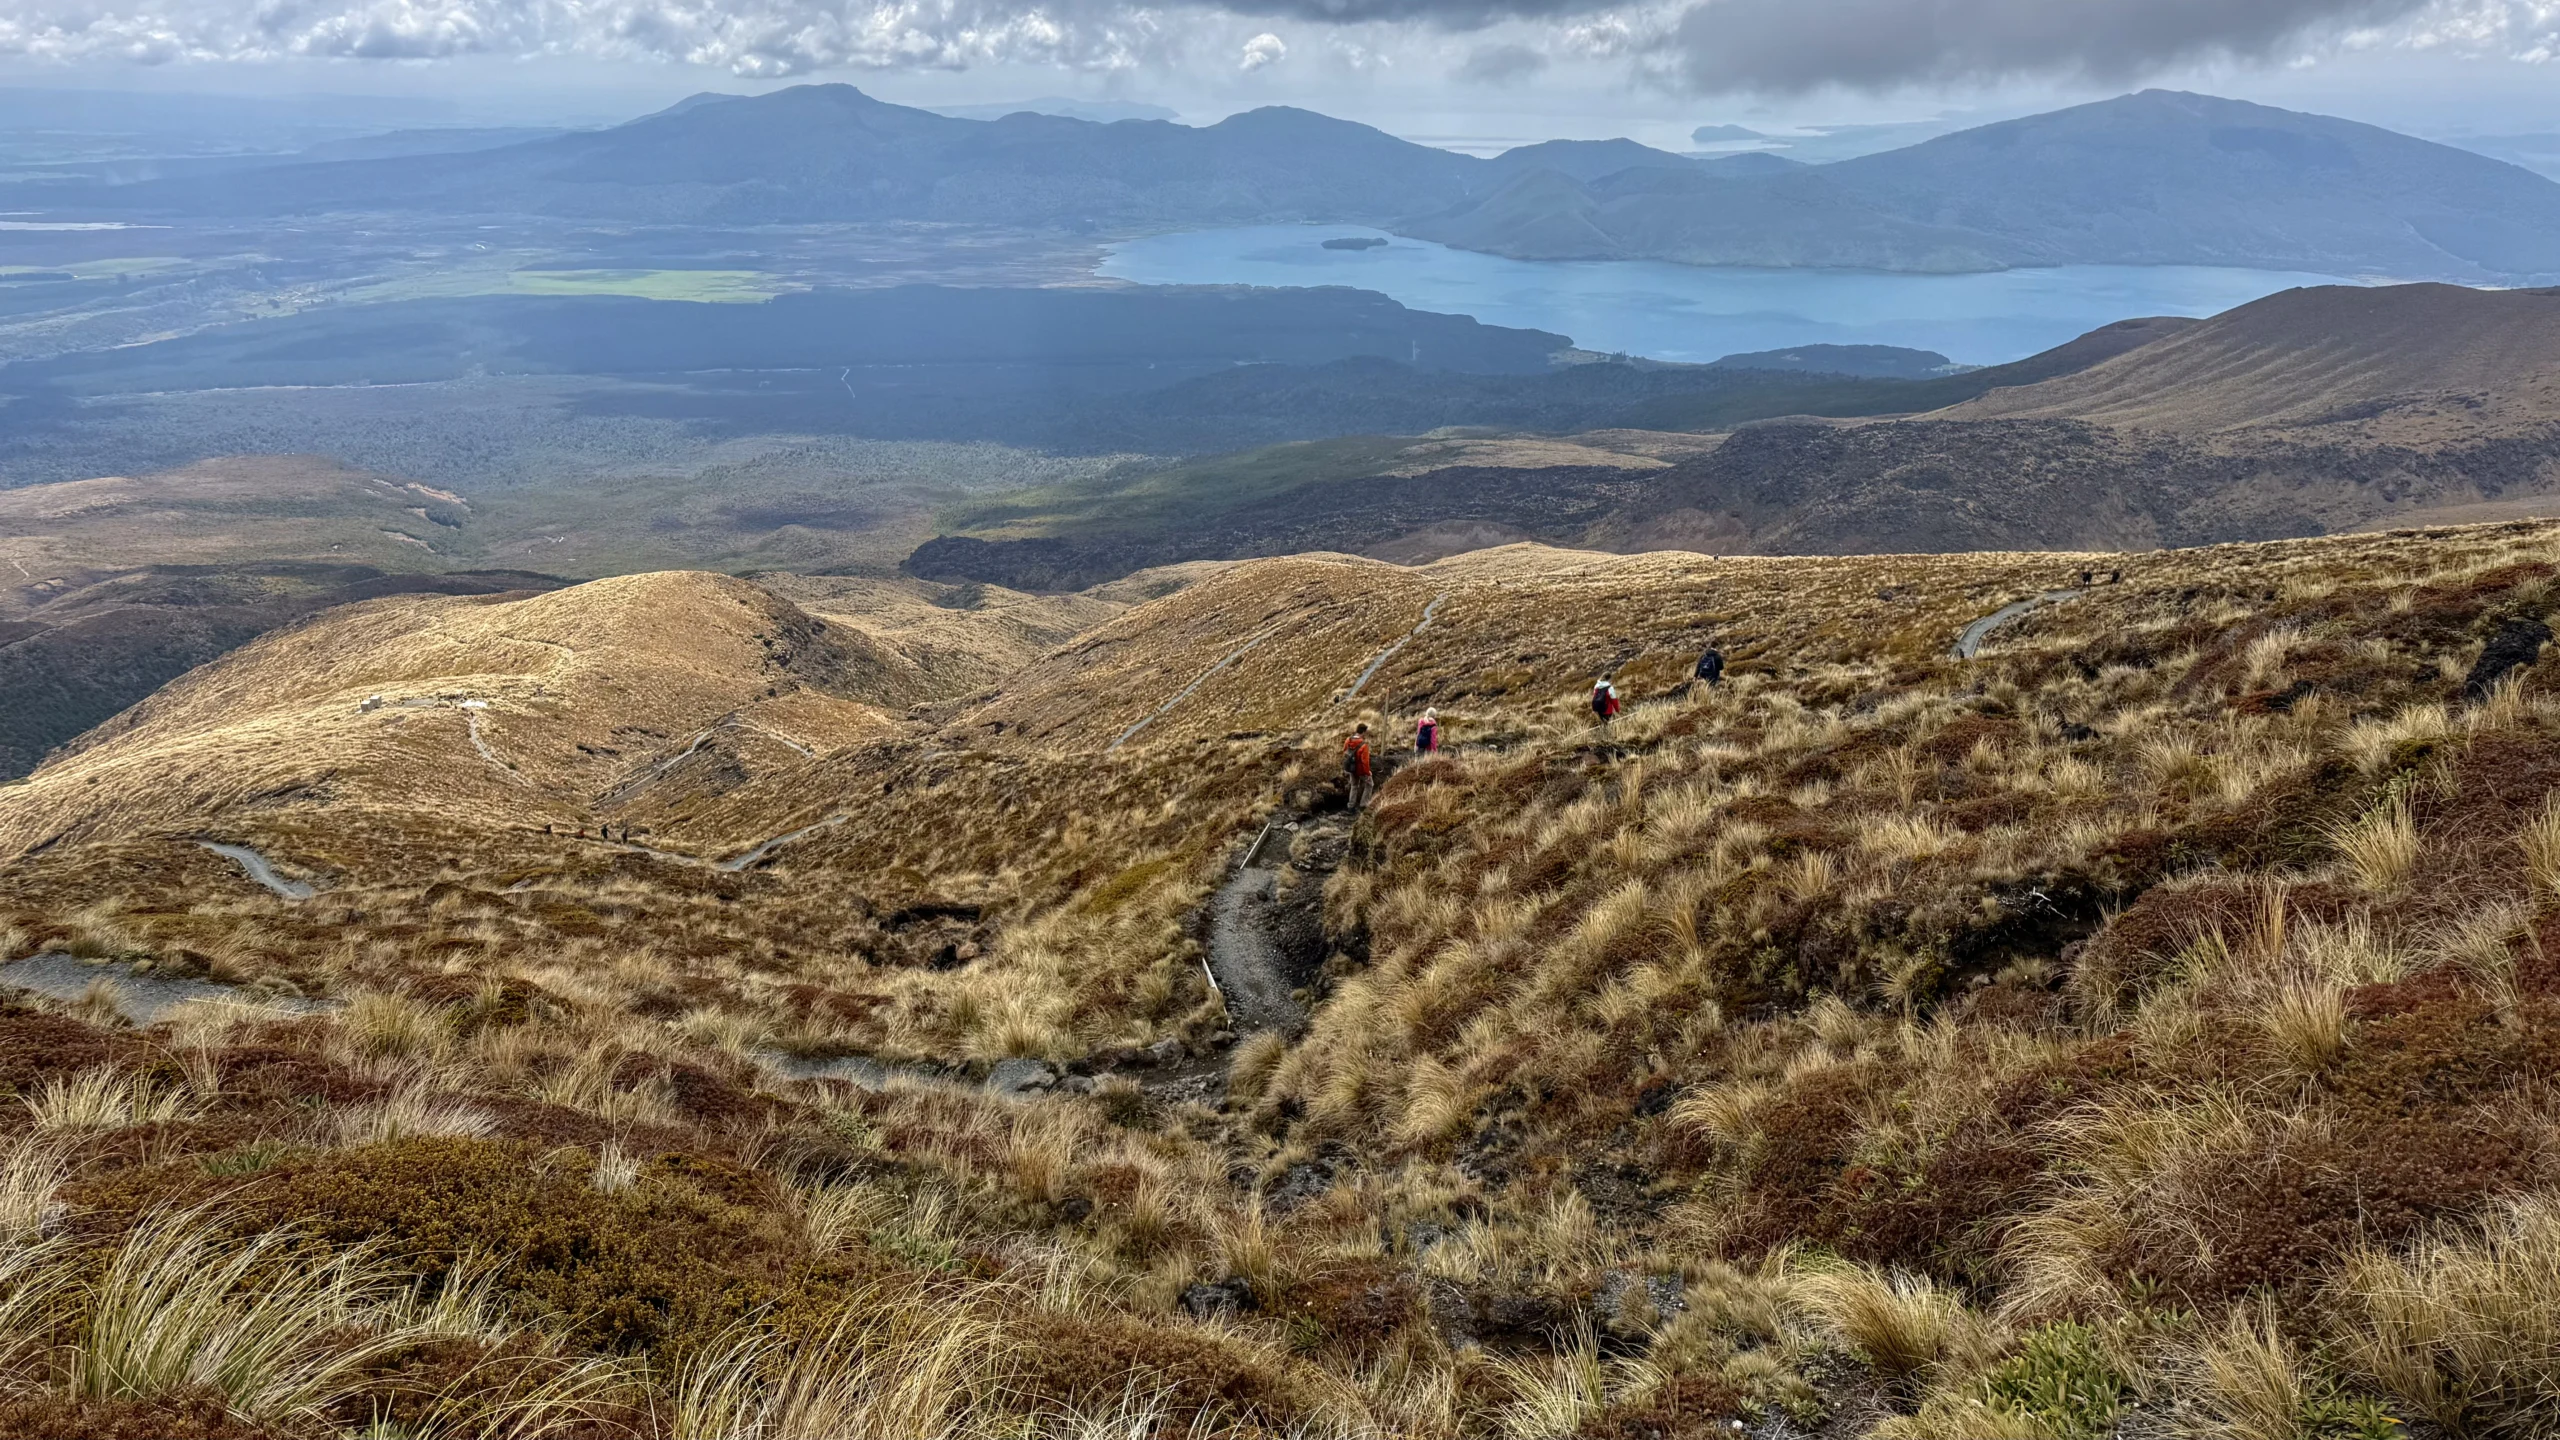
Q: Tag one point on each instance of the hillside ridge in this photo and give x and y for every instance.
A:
(2059, 1008)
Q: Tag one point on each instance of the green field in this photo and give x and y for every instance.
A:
(711, 287)
(102, 269)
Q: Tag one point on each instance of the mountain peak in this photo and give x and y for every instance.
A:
(1290, 120)
(695, 101)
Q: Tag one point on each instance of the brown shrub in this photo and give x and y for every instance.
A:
(1684, 1407)
(257, 1077)
(661, 1263)
(2285, 1211)
(52, 1417)
(703, 1096)
(2011, 1005)
(1986, 811)
(2419, 1129)
(2134, 950)
(481, 1003)
(1355, 1307)
(1802, 1153)
(2428, 1042)
(1955, 740)
(1947, 1219)
(2442, 616)
(1792, 829)
(36, 1047)
(1070, 1360)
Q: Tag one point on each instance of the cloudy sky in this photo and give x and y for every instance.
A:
(1468, 69)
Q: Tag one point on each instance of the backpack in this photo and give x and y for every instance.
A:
(1355, 755)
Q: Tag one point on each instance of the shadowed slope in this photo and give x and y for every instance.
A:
(2421, 362)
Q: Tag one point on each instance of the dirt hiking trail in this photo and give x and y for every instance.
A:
(1266, 938)
(1969, 644)
(259, 870)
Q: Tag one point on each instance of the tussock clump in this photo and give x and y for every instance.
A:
(2464, 1328)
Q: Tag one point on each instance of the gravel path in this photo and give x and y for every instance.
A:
(259, 870)
(1969, 644)
(736, 863)
(471, 718)
(1152, 716)
(1242, 958)
(142, 999)
(1389, 653)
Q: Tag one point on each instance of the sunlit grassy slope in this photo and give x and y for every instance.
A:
(243, 508)
(2145, 1027)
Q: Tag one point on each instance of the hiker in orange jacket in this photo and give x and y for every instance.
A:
(1356, 775)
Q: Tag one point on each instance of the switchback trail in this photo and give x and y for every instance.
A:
(471, 721)
(259, 870)
(1201, 679)
(1969, 644)
(737, 862)
(622, 790)
(1390, 652)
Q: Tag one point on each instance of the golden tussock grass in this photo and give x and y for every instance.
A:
(2465, 1327)
(1904, 1324)
(105, 1099)
(1985, 975)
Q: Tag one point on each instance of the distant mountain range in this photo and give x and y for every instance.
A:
(2158, 178)
(818, 153)
(1100, 111)
(2149, 179)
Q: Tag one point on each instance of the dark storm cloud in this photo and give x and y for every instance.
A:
(1798, 45)
(1501, 65)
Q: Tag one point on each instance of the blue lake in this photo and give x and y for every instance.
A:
(1687, 312)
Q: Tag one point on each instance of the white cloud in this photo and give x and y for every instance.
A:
(747, 37)
(1712, 44)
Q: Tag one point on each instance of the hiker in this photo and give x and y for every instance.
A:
(1355, 766)
(1426, 736)
(1604, 700)
(1711, 666)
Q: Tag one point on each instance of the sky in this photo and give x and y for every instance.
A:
(1455, 71)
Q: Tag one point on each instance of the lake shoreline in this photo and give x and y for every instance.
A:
(1665, 311)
